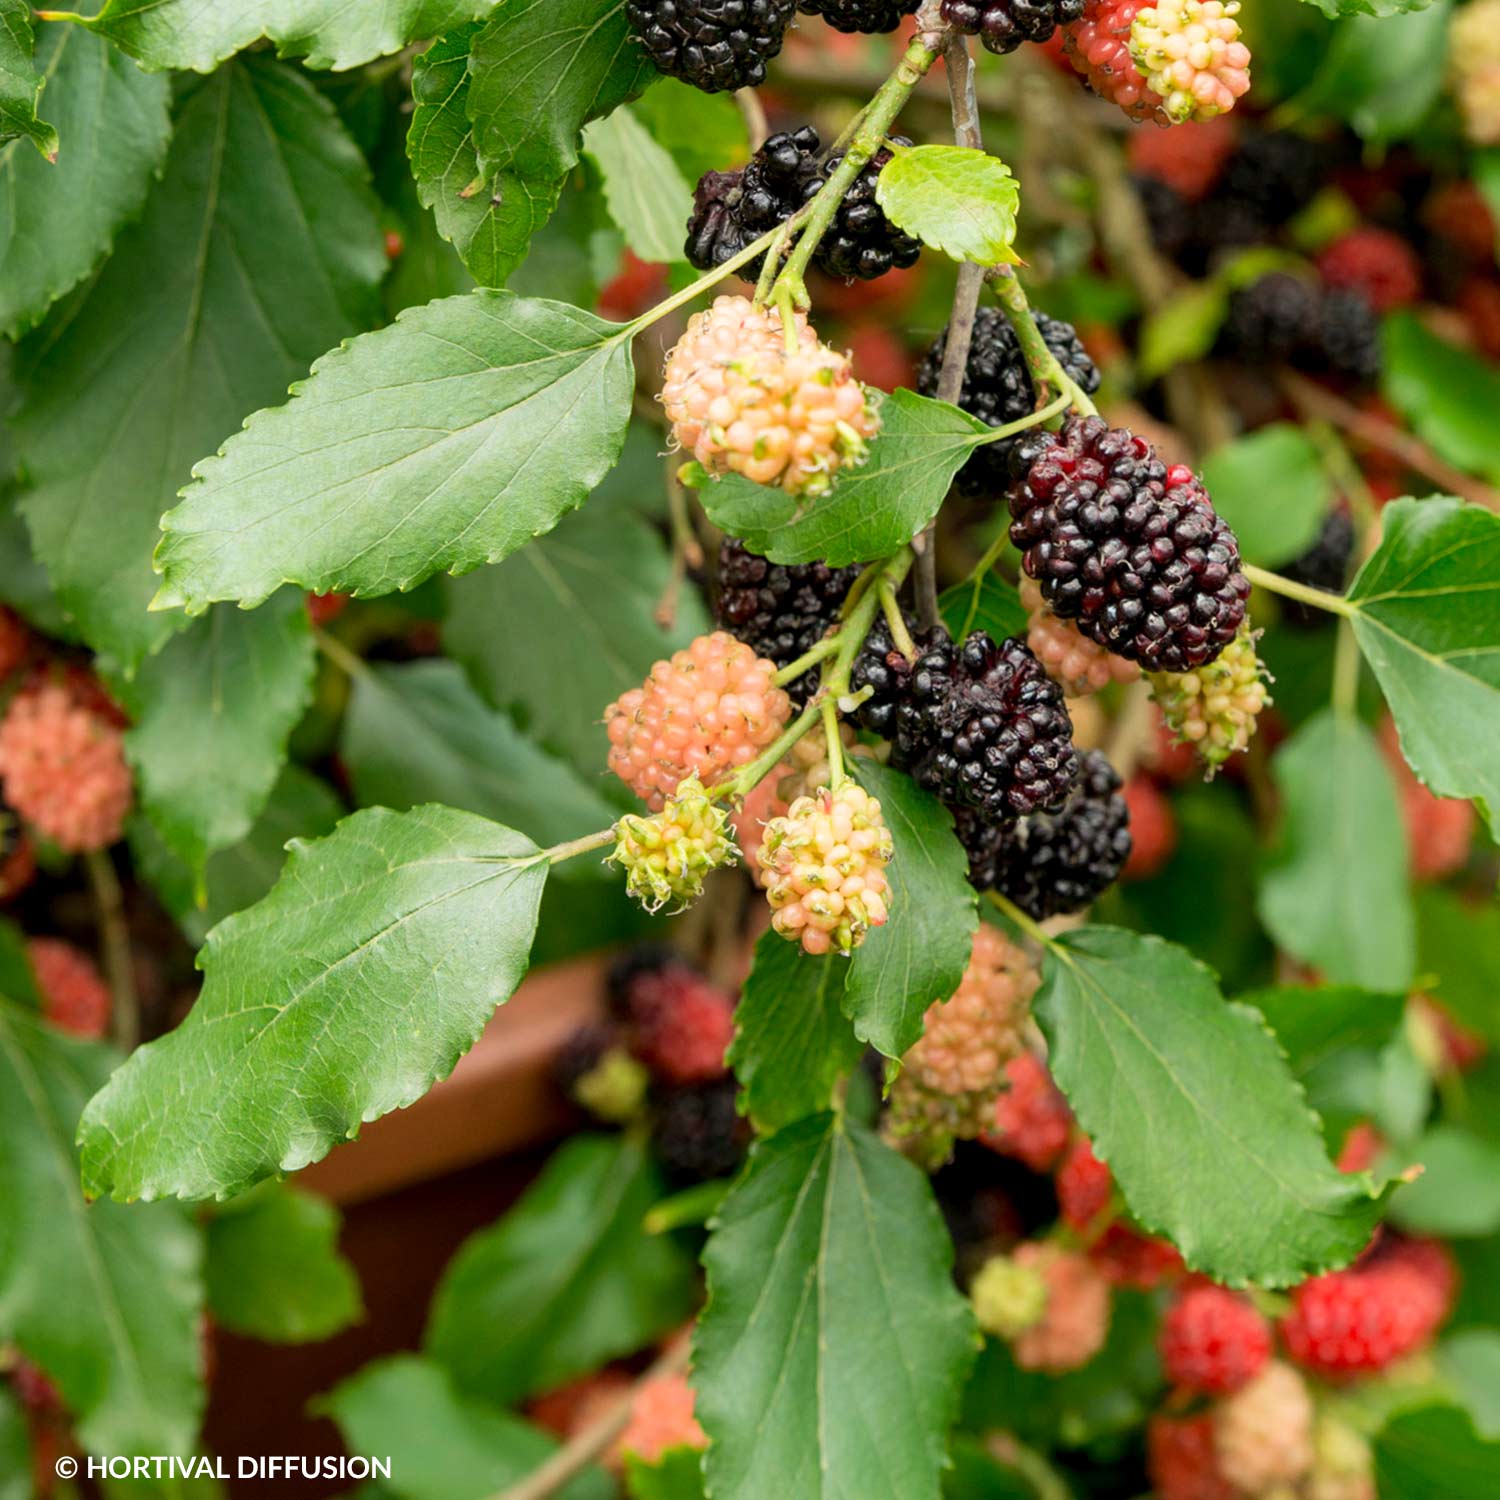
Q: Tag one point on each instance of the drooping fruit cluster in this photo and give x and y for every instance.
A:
(780, 611)
(1032, 1120)
(731, 210)
(1281, 318)
(741, 403)
(698, 1133)
(62, 766)
(1097, 44)
(1076, 664)
(1215, 707)
(1191, 56)
(1009, 1296)
(1263, 1433)
(997, 386)
(1075, 1307)
(668, 855)
(867, 16)
(1130, 549)
(824, 865)
(951, 1078)
(1002, 25)
(715, 45)
(1182, 1459)
(1213, 1341)
(710, 709)
(674, 1020)
(74, 995)
(982, 725)
(1377, 264)
(1058, 862)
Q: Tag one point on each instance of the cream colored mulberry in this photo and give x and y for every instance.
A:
(1078, 665)
(952, 1076)
(740, 401)
(1009, 1296)
(668, 855)
(1190, 53)
(1263, 1433)
(1343, 1465)
(1214, 708)
(1073, 1328)
(824, 869)
(1474, 61)
(709, 710)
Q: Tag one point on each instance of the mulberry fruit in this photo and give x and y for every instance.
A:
(1474, 59)
(1343, 1464)
(867, 16)
(952, 1076)
(824, 869)
(1191, 56)
(780, 611)
(1139, 1261)
(668, 855)
(1009, 1296)
(1276, 173)
(1361, 1320)
(1349, 336)
(1002, 25)
(1129, 548)
(1325, 565)
(661, 1417)
(1375, 263)
(885, 671)
(594, 1069)
(1215, 707)
(1097, 45)
(1032, 1119)
(1189, 159)
(715, 45)
(997, 387)
(731, 210)
(1273, 320)
(1075, 1324)
(1213, 1341)
(1263, 1433)
(983, 726)
(740, 403)
(861, 243)
(710, 709)
(678, 1023)
(1053, 863)
(1183, 1461)
(63, 768)
(1076, 664)
(698, 1133)
(74, 995)
(1085, 1186)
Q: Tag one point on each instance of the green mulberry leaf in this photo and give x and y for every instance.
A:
(20, 84)
(957, 199)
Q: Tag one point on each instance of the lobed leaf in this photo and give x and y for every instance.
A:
(20, 84)
(105, 1299)
(357, 983)
(831, 1355)
(489, 222)
(1428, 622)
(175, 348)
(792, 1041)
(1341, 855)
(1190, 1102)
(920, 955)
(273, 1268)
(958, 199)
(871, 511)
(212, 714)
(567, 1281)
(446, 440)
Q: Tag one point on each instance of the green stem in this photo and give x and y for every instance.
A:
(794, 669)
(1040, 360)
(857, 626)
(687, 1209)
(867, 140)
(750, 776)
(347, 661)
(1045, 1481)
(835, 744)
(1301, 592)
(896, 620)
(1036, 419)
(978, 574)
(574, 847)
(1026, 924)
(1346, 671)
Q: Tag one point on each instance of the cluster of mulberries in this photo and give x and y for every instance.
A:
(1215, 708)
(1076, 664)
(1282, 318)
(741, 402)
(74, 995)
(1002, 25)
(951, 1078)
(668, 855)
(731, 210)
(659, 1054)
(1052, 1305)
(981, 725)
(866, 16)
(62, 764)
(708, 710)
(715, 45)
(997, 387)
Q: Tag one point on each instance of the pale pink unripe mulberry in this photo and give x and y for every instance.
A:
(661, 1417)
(1075, 1324)
(951, 1077)
(1191, 55)
(1474, 59)
(824, 869)
(1343, 1465)
(709, 710)
(74, 995)
(63, 768)
(740, 401)
(1078, 665)
(1264, 1432)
